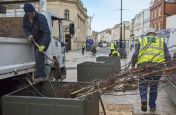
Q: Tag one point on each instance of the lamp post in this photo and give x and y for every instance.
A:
(121, 26)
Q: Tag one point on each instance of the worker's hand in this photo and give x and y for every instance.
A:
(30, 37)
(132, 70)
(169, 72)
(41, 48)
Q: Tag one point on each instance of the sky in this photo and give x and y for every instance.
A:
(107, 14)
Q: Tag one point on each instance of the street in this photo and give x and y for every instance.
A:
(44, 45)
(164, 104)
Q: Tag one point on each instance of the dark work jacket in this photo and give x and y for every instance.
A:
(39, 29)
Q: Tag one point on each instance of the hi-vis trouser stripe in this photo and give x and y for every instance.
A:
(151, 51)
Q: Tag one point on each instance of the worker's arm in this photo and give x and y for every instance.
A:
(26, 26)
(166, 53)
(135, 55)
(168, 58)
(44, 28)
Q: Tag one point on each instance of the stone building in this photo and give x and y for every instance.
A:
(126, 29)
(146, 20)
(74, 11)
(159, 10)
(114, 33)
(105, 35)
(140, 23)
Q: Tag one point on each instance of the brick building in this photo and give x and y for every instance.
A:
(159, 10)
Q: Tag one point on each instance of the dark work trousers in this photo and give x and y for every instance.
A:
(144, 83)
(111, 52)
(40, 64)
(83, 51)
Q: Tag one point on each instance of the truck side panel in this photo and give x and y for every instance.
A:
(11, 27)
(16, 55)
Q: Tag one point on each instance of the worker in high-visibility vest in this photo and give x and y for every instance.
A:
(151, 49)
(112, 46)
(114, 51)
(83, 47)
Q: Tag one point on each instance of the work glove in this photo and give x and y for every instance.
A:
(41, 48)
(30, 37)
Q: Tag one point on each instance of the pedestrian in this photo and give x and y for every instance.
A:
(83, 47)
(114, 52)
(150, 50)
(131, 47)
(94, 50)
(66, 46)
(113, 47)
(36, 28)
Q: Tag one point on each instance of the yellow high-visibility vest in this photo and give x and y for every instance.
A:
(115, 52)
(112, 46)
(83, 45)
(151, 50)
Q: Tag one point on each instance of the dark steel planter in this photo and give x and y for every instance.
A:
(28, 101)
(172, 92)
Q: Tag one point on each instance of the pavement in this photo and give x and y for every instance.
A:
(164, 105)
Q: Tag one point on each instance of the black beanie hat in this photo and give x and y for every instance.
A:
(28, 8)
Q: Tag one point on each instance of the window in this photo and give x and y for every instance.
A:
(160, 11)
(66, 14)
(151, 15)
(154, 14)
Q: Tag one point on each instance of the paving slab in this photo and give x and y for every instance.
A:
(117, 109)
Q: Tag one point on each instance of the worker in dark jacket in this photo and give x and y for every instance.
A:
(150, 50)
(36, 27)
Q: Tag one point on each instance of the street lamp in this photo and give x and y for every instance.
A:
(121, 26)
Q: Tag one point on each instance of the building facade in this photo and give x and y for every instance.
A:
(114, 33)
(89, 28)
(169, 22)
(105, 35)
(140, 23)
(126, 29)
(146, 20)
(95, 36)
(74, 11)
(159, 10)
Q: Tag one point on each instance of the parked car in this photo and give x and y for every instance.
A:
(104, 44)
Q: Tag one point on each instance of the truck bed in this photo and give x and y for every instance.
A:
(11, 27)
(16, 57)
(16, 53)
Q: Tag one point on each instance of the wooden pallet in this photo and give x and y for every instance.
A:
(120, 109)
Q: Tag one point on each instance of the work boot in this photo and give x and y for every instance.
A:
(39, 79)
(153, 109)
(144, 106)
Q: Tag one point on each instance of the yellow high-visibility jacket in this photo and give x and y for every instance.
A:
(83, 45)
(112, 46)
(151, 50)
(115, 52)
